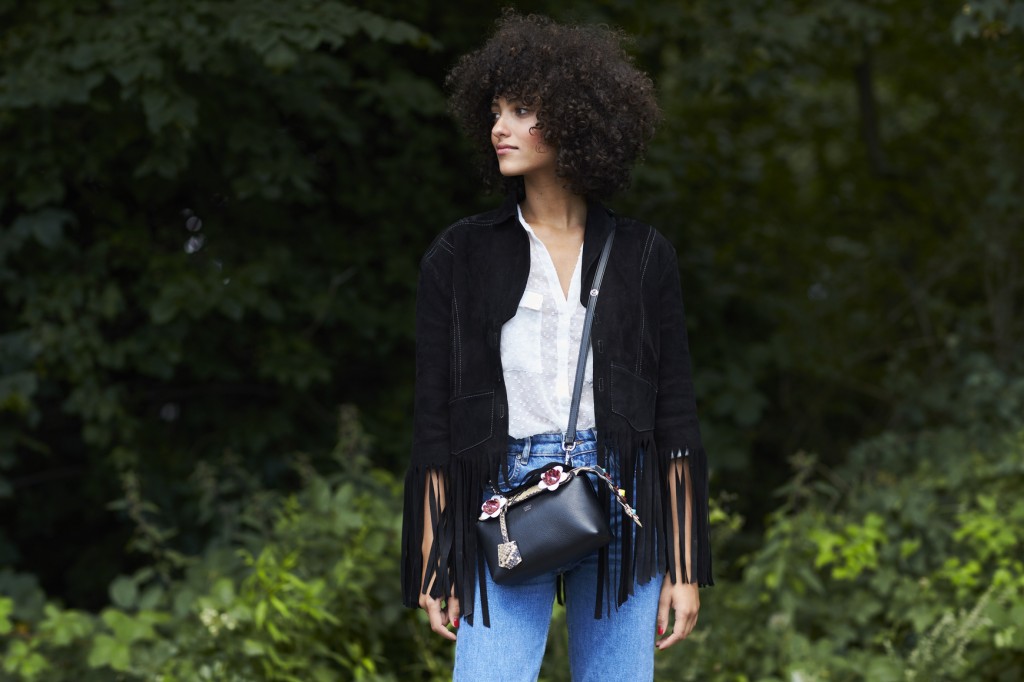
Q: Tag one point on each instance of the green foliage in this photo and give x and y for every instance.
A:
(296, 591)
(195, 204)
(213, 211)
(210, 216)
(831, 594)
(843, 181)
(6, 606)
(851, 551)
(297, 596)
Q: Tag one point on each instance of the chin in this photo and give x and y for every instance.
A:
(509, 172)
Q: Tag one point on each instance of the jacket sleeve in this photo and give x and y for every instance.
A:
(426, 478)
(677, 429)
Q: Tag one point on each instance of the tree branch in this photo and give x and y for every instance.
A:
(867, 104)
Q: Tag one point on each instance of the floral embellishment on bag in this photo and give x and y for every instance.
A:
(492, 507)
(552, 478)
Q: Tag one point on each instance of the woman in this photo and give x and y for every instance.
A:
(561, 115)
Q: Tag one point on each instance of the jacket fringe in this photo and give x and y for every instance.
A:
(635, 459)
(648, 469)
(451, 561)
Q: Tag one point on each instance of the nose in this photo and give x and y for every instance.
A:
(499, 129)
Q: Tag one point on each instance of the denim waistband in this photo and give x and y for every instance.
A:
(551, 443)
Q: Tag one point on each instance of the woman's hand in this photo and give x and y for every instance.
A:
(683, 600)
(441, 612)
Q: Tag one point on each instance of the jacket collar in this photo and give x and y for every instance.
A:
(600, 221)
(507, 209)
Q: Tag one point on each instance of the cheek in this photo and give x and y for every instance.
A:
(537, 137)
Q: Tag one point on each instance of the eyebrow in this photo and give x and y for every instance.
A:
(512, 103)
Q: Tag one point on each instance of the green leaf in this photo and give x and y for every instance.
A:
(129, 629)
(46, 226)
(124, 592)
(151, 597)
(109, 652)
(280, 606)
(280, 57)
(22, 659)
(66, 627)
(251, 647)
(223, 592)
(6, 609)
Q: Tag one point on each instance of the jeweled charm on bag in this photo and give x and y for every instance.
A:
(508, 554)
(508, 551)
(617, 493)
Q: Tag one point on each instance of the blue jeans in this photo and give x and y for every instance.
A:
(619, 646)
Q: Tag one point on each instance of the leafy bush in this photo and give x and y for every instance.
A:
(305, 590)
(827, 273)
(904, 565)
(193, 210)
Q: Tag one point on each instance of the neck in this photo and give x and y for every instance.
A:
(550, 204)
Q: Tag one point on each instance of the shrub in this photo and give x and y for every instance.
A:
(306, 590)
(904, 565)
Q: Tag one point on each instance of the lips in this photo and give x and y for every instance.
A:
(504, 148)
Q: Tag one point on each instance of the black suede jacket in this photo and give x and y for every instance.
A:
(471, 281)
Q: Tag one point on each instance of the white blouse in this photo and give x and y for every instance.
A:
(540, 347)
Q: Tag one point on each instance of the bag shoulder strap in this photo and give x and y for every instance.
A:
(569, 438)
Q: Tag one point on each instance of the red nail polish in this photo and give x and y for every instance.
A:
(456, 622)
(661, 630)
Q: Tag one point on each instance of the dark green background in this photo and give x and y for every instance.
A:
(211, 214)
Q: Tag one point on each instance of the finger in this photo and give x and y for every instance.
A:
(672, 638)
(693, 625)
(692, 613)
(439, 620)
(687, 622)
(664, 609)
(454, 612)
(684, 622)
(440, 627)
(442, 610)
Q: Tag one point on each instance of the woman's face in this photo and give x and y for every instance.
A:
(517, 142)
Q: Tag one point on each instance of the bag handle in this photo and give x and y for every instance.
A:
(569, 438)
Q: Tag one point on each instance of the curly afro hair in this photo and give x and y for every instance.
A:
(595, 107)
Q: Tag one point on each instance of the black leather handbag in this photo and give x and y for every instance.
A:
(537, 528)
(554, 517)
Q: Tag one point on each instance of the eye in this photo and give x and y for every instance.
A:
(522, 111)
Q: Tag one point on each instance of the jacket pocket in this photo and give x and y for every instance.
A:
(521, 336)
(633, 397)
(472, 420)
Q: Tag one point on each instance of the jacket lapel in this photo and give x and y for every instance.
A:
(507, 262)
